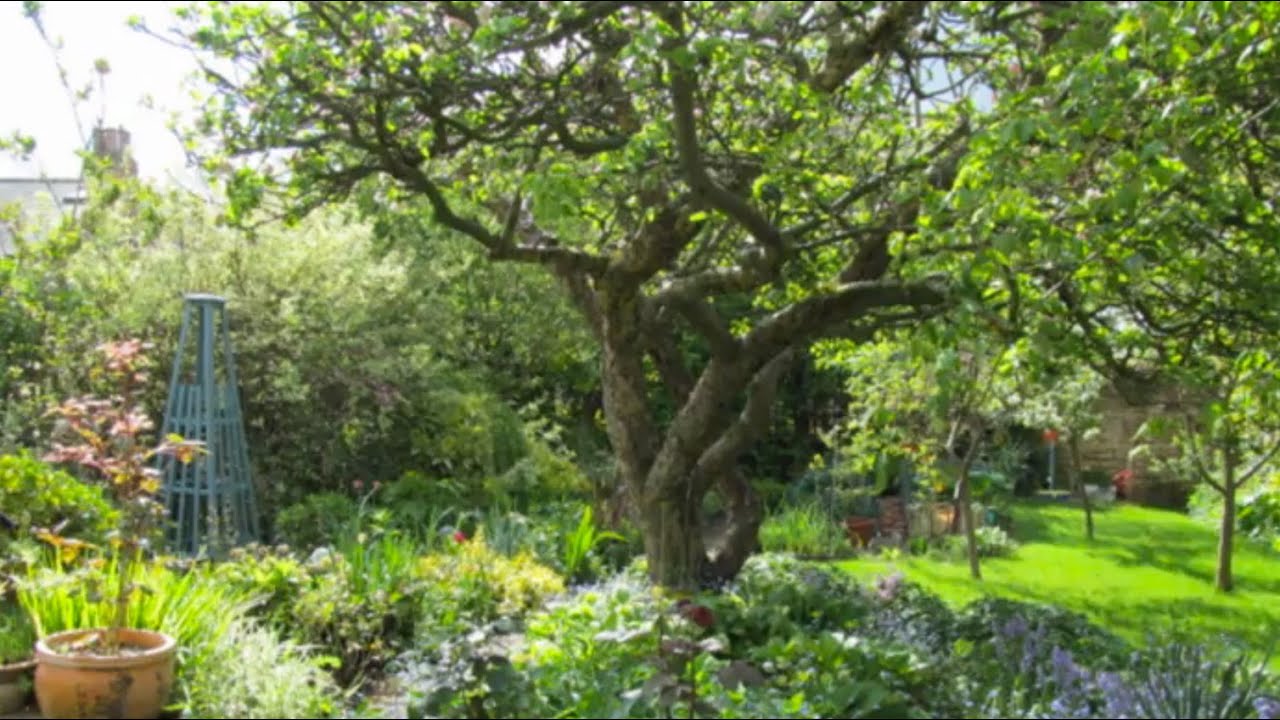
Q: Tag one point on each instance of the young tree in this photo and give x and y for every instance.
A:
(1226, 431)
(928, 396)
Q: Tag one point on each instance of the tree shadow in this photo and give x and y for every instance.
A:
(1162, 540)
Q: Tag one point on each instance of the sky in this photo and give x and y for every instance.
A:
(33, 101)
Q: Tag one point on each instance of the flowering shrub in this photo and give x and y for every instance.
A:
(482, 584)
(988, 620)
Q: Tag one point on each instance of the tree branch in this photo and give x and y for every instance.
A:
(1257, 466)
(692, 164)
(751, 423)
(708, 323)
(845, 58)
(811, 316)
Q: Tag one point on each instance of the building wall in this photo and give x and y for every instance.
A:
(1108, 451)
(35, 196)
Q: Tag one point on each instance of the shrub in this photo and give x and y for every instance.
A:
(318, 520)
(17, 635)
(804, 530)
(1259, 516)
(33, 494)
(1193, 682)
(250, 672)
(272, 577)
(355, 361)
(359, 606)
(419, 504)
(480, 584)
(983, 620)
(907, 615)
(778, 595)
(992, 542)
(584, 652)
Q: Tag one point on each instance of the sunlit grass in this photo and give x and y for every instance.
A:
(1147, 572)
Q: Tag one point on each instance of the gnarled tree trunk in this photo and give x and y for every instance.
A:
(668, 471)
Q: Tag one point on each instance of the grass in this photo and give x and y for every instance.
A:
(806, 530)
(1147, 572)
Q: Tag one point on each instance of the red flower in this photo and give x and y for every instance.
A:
(459, 536)
(699, 615)
(1051, 436)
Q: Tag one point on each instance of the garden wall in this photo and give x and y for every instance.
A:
(1108, 452)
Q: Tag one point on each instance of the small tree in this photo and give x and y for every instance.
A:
(108, 440)
(1226, 432)
(935, 397)
(1064, 399)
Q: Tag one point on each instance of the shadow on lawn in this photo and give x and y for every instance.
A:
(1174, 546)
(1140, 619)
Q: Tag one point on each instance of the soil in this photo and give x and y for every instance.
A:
(95, 646)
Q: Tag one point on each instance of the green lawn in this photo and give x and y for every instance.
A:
(1148, 571)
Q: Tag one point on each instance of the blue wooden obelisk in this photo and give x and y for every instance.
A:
(210, 501)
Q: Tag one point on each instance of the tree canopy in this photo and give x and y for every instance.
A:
(756, 177)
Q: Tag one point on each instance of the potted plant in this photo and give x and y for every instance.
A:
(117, 671)
(17, 637)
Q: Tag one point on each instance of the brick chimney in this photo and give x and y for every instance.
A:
(112, 144)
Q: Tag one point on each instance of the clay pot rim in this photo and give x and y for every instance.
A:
(157, 646)
(15, 668)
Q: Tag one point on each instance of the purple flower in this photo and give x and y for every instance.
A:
(1120, 698)
(1268, 708)
(1014, 628)
(887, 587)
(1066, 674)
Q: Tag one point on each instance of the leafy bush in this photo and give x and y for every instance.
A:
(480, 584)
(984, 620)
(419, 504)
(272, 577)
(355, 361)
(778, 595)
(991, 541)
(250, 672)
(359, 607)
(804, 530)
(35, 495)
(1259, 516)
(1193, 682)
(318, 520)
(17, 635)
(905, 614)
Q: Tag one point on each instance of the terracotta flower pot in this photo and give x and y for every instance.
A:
(133, 684)
(13, 686)
(860, 530)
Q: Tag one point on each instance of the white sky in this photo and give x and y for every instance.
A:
(33, 101)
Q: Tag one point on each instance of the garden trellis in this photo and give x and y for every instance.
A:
(210, 501)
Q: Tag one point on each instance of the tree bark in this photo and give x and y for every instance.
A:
(964, 498)
(1226, 535)
(739, 537)
(1077, 483)
(673, 541)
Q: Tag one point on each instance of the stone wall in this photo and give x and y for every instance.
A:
(1108, 451)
